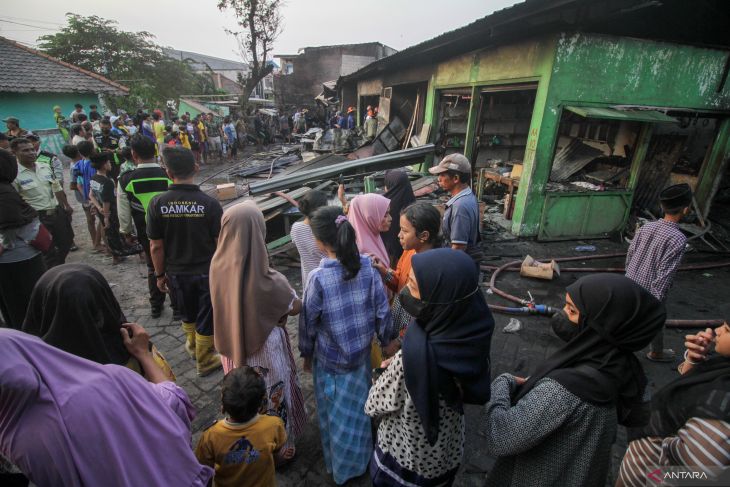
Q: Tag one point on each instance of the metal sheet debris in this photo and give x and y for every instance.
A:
(380, 162)
(571, 159)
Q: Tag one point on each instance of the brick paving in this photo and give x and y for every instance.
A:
(695, 295)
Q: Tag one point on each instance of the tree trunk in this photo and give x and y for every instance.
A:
(249, 86)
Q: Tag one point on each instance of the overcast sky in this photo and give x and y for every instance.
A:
(198, 26)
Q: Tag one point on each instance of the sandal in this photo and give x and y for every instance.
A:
(666, 355)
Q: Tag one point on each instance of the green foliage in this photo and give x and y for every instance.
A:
(130, 58)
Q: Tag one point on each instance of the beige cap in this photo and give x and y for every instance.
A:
(452, 162)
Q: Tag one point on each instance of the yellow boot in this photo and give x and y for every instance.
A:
(189, 329)
(206, 356)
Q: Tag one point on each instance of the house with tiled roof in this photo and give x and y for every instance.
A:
(32, 83)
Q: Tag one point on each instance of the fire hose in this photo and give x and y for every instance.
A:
(528, 307)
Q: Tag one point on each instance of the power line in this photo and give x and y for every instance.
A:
(33, 20)
(28, 25)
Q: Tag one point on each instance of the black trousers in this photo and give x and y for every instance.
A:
(191, 292)
(58, 224)
(17, 281)
(157, 297)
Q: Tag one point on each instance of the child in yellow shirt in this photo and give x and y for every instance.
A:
(242, 446)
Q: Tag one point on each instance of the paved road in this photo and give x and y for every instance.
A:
(696, 294)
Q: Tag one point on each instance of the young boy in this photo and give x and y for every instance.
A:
(655, 254)
(241, 447)
(183, 224)
(104, 200)
(82, 174)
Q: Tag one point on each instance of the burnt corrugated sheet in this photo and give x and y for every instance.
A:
(571, 159)
(663, 152)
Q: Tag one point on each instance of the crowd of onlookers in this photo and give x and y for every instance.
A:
(392, 325)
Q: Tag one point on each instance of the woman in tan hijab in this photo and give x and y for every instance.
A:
(251, 302)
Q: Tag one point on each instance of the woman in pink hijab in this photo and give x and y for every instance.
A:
(369, 215)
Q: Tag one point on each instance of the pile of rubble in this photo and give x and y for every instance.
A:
(275, 178)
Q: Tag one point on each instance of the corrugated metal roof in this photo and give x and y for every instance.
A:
(605, 113)
(25, 70)
(574, 157)
(638, 18)
(201, 61)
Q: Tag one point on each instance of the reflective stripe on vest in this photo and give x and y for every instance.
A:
(144, 189)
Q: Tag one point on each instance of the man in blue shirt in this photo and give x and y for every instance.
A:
(82, 174)
(351, 121)
(460, 226)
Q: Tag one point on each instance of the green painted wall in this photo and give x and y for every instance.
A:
(35, 110)
(527, 61)
(603, 70)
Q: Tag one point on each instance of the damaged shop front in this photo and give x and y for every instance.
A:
(571, 134)
(574, 133)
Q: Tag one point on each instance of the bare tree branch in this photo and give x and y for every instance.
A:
(260, 23)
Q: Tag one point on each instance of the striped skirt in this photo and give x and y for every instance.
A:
(274, 360)
(344, 428)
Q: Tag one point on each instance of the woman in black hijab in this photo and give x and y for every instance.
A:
(399, 191)
(73, 308)
(443, 364)
(21, 264)
(559, 424)
(689, 424)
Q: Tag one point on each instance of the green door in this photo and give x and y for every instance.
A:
(592, 214)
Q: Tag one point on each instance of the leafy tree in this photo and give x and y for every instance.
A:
(261, 23)
(130, 58)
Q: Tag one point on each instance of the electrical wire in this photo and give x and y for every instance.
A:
(28, 25)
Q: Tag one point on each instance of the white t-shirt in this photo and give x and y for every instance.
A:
(309, 253)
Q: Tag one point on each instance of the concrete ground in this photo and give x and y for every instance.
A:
(699, 294)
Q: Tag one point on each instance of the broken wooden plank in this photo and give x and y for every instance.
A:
(279, 242)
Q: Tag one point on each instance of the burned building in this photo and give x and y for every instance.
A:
(582, 110)
(301, 76)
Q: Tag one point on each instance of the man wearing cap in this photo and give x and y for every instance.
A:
(37, 186)
(61, 122)
(48, 158)
(655, 253)
(371, 124)
(14, 130)
(460, 226)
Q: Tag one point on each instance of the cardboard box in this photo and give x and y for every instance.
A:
(539, 270)
(226, 191)
(516, 171)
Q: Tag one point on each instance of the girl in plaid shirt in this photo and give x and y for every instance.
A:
(345, 305)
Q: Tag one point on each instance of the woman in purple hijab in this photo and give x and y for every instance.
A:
(65, 420)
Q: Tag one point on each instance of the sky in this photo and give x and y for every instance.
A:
(198, 25)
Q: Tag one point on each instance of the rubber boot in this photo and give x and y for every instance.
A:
(208, 360)
(189, 329)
